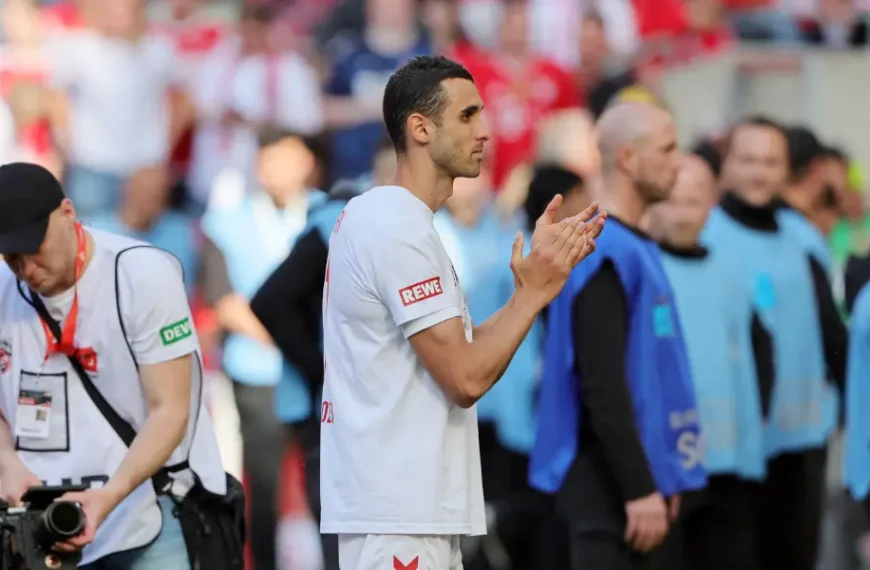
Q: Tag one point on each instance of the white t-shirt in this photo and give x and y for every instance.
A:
(60, 434)
(397, 456)
(119, 103)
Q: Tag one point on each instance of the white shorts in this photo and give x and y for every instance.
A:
(398, 552)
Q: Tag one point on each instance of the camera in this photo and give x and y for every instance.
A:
(28, 533)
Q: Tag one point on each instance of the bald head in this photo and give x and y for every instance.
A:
(638, 141)
(627, 125)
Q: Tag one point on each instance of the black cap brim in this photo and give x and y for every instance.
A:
(24, 240)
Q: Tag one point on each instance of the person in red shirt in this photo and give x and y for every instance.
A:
(518, 89)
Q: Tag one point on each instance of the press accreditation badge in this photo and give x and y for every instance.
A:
(33, 415)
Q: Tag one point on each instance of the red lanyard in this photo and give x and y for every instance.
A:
(67, 338)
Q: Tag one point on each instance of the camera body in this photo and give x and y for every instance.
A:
(27, 534)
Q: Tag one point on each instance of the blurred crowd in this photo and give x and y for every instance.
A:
(216, 130)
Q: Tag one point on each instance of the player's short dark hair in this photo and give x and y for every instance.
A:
(804, 149)
(272, 135)
(416, 88)
(754, 121)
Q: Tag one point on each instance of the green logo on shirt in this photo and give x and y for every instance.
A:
(170, 334)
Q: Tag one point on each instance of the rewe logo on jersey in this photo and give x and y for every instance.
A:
(421, 291)
(170, 334)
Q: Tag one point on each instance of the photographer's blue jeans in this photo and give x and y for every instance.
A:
(167, 552)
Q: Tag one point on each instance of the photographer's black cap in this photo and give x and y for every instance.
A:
(28, 195)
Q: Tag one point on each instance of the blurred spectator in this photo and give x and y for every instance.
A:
(838, 25)
(249, 235)
(195, 30)
(64, 16)
(519, 89)
(597, 79)
(244, 85)
(361, 65)
(557, 28)
(808, 170)
(23, 73)
(447, 37)
(111, 111)
(763, 20)
(32, 136)
(143, 215)
(567, 139)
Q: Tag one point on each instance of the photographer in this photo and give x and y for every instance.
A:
(101, 380)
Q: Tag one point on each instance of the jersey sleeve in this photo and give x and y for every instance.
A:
(414, 282)
(154, 306)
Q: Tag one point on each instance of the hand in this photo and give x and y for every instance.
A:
(647, 522)
(15, 480)
(96, 504)
(557, 247)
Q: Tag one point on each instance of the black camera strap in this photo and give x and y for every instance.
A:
(161, 480)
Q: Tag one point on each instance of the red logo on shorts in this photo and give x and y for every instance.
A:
(421, 291)
(412, 565)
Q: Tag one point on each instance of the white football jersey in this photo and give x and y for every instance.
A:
(397, 456)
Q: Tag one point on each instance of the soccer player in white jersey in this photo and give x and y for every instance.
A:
(404, 365)
(124, 317)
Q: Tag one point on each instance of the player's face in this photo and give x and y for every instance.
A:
(460, 138)
(757, 164)
(658, 161)
(46, 269)
(682, 216)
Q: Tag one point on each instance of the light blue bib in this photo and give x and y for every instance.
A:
(251, 255)
(715, 308)
(804, 406)
(857, 454)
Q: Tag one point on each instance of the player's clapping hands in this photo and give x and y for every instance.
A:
(557, 247)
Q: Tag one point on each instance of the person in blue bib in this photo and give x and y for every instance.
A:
(731, 361)
(809, 339)
(856, 471)
(618, 435)
(803, 194)
(249, 232)
(289, 305)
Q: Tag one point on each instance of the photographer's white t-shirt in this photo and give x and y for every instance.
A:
(59, 433)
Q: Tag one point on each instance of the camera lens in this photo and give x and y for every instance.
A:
(63, 520)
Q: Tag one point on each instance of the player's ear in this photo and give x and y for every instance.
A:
(419, 128)
(628, 159)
